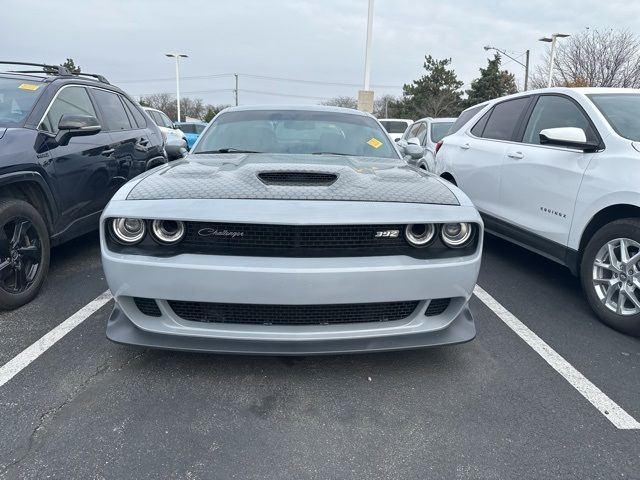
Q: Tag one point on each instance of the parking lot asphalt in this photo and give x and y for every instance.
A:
(491, 408)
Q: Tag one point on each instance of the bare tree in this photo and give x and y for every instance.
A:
(189, 107)
(595, 58)
(346, 102)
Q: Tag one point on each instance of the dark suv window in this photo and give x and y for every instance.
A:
(137, 116)
(464, 117)
(70, 100)
(504, 118)
(115, 116)
(553, 111)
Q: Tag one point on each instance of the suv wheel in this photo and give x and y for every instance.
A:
(24, 253)
(610, 275)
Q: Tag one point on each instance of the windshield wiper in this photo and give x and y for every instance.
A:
(331, 153)
(228, 150)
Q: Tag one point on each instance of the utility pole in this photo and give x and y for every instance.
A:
(235, 92)
(177, 56)
(526, 71)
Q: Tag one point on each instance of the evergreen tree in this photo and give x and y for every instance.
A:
(435, 94)
(71, 66)
(492, 83)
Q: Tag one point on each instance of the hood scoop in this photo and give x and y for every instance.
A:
(298, 179)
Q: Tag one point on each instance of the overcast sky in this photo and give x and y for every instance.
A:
(319, 41)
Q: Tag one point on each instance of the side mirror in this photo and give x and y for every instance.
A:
(571, 137)
(413, 141)
(414, 151)
(71, 126)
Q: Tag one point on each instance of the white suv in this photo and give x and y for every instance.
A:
(558, 171)
(427, 132)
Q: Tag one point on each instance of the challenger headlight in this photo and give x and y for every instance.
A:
(420, 234)
(167, 232)
(456, 235)
(128, 231)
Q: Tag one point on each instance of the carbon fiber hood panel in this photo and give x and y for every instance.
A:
(236, 177)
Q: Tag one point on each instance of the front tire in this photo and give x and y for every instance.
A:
(610, 275)
(24, 253)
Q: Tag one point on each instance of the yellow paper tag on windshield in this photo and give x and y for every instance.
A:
(28, 86)
(374, 142)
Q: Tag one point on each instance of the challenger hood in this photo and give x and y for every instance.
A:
(293, 177)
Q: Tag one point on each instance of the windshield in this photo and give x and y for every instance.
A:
(439, 130)
(621, 111)
(296, 132)
(394, 126)
(17, 98)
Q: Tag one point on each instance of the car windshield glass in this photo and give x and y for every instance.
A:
(621, 111)
(17, 98)
(296, 132)
(439, 130)
(392, 126)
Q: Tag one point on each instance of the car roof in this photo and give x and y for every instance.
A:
(572, 91)
(437, 120)
(309, 108)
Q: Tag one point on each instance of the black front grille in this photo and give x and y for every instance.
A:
(437, 306)
(293, 314)
(293, 240)
(148, 306)
(303, 179)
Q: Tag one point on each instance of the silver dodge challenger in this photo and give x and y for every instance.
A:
(291, 230)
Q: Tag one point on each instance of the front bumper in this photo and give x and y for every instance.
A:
(121, 329)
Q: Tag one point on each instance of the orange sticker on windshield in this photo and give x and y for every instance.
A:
(28, 86)
(374, 142)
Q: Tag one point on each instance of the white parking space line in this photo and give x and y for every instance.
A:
(610, 409)
(29, 354)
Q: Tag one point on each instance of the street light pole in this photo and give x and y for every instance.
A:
(367, 55)
(553, 39)
(525, 65)
(177, 56)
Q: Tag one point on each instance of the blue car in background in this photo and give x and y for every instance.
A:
(191, 130)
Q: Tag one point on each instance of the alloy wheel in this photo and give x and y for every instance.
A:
(616, 276)
(20, 254)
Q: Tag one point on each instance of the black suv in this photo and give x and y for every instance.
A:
(68, 141)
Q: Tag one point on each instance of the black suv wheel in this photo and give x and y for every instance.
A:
(24, 253)
(610, 274)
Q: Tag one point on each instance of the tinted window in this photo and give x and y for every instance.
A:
(439, 130)
(115, 117)
(17, 98)
(621, 111)
(155, 116)
(504, 118)
(187, 127)
(166, 122)
(553, 112)
(70, 100)
(137, 116)
(392, 126)
(412, 131)
(297, 132)
(464, 117)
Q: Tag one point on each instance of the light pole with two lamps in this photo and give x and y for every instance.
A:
(177, 56)
(553, 52)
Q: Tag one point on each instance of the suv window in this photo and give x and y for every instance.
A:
(16, 100)
(413, 131)
(504, 118)
(464, 117)
(553, 111)
(70, 100)
(115, 116)
(137, 116)
(166, 122)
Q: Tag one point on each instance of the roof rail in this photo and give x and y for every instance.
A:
(53, 70)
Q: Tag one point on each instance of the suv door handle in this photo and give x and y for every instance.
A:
(143, 141)
(516, 155)
(108, 151)
(465, 146)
